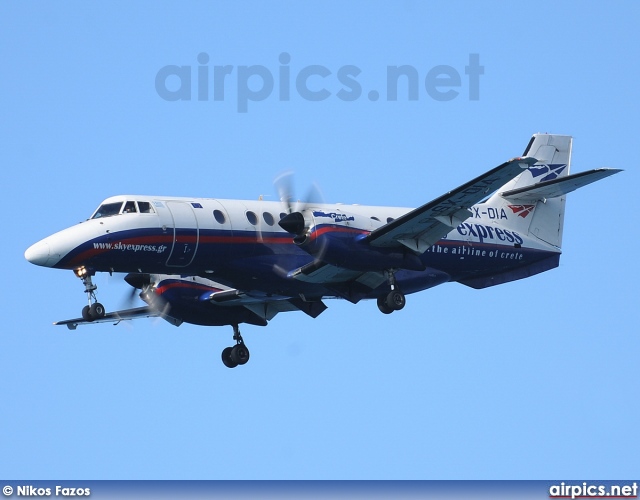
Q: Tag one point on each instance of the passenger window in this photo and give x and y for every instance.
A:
(268, 218)
(390, 219)
(282, 215)
(219, 216)
(145, 207)
(130, 208)
(252, 218)
(375, 218)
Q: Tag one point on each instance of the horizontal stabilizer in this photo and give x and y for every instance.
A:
(558, 187)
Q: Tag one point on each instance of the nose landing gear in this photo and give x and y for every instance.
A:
(94, 310)
(238, 354)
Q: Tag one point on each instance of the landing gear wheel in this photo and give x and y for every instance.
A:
(239, 354)
(86, 313)
(96, 310)
(226, 358)
(395, 300)
(382, 305)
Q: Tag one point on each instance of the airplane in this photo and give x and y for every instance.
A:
(218, 262)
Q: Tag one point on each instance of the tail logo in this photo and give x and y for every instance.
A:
(550, 171)
(522, 210)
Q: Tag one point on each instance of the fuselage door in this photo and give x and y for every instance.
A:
(186, 234)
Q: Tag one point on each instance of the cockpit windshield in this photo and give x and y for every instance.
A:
(145, 207)
(130, 207)
(107, 210)
(125, 207)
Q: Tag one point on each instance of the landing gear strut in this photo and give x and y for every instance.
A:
(394, 300)
(94, 310)
(238, 354)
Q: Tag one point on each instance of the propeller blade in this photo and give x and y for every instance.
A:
(314, 195)
(131, 297)
(284, 186)
(138, 281)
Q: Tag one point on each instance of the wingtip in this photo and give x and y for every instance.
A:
(609, 171)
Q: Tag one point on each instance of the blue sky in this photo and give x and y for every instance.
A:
(533, 379)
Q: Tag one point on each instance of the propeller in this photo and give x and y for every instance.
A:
(299, 219)
(144, 282)
(138, 281)
(295, 222)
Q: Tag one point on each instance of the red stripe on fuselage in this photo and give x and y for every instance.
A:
(331, 229)
(168, 239)
(181, 284)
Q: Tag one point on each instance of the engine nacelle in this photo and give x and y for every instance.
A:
(335, 238)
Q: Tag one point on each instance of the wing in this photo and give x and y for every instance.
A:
(422, 227)
(263, 309)
(417, 230)
(113, 317)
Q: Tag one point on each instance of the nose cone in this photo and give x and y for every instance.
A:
(39, 253)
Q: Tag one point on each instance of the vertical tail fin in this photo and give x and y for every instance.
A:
(543, 219)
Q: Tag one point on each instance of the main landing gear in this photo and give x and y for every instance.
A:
(394, 300)
(238, 354)
(94, 310)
